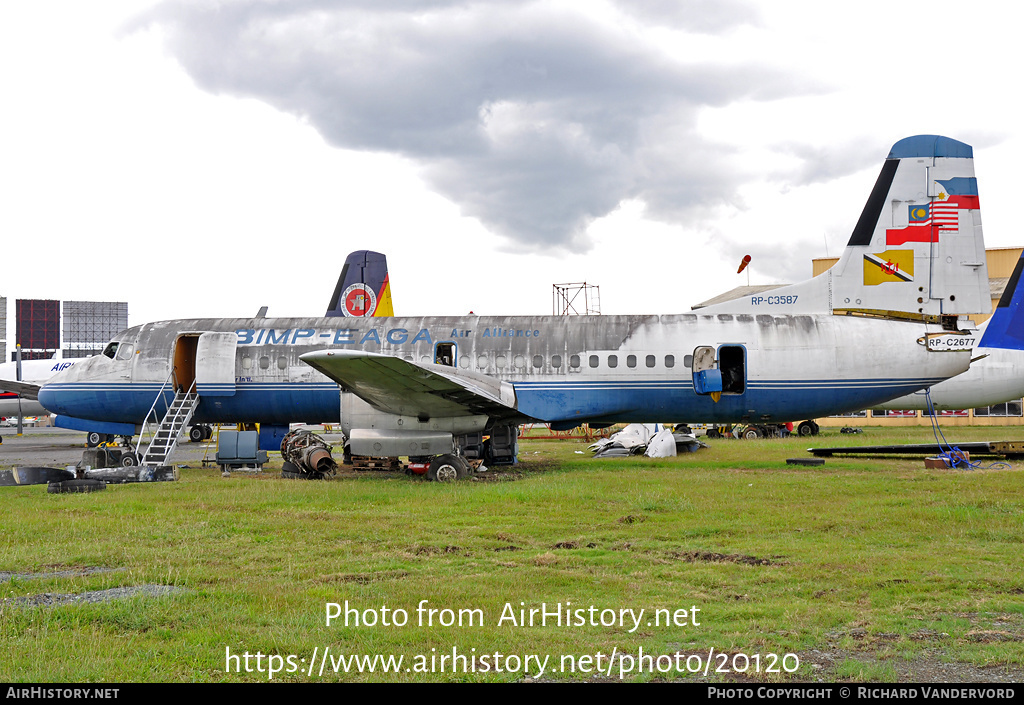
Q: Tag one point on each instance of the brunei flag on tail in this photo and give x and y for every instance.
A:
(889, 266)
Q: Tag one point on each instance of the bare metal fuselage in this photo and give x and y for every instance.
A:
(562, 368)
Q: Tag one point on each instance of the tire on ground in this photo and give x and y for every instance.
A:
(447, 468)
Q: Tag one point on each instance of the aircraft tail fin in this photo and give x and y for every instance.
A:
(363, 288)
(916, 252)
(1006, 327)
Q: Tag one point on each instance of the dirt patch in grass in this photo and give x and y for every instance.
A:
(50, 599)
(363, 578)
(711, 557)
(436, 550)
(67, 572)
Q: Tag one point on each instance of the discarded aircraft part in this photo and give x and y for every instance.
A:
(805, 461)
(663, 445)
(76, 486)
(291, 471)
(642, 431)
(614, 451)
(135, 473)
(851, 429)
(502, 448)
(1009, 449)
(687, 443)
(33, 476)
(105, 457)
(448, 468)
(310, 453)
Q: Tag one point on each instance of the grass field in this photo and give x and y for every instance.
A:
(865, 569)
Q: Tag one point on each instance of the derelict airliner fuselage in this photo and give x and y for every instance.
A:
(889, 319)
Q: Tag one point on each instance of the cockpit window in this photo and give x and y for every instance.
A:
(124, 352)
(110, 350)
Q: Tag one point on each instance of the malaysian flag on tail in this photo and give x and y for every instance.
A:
(928, 221)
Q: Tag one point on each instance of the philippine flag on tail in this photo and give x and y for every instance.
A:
(926, 222)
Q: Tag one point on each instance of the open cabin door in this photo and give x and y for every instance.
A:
(724, 374)
(215, 364)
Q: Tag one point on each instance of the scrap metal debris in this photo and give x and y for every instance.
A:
(646, 440)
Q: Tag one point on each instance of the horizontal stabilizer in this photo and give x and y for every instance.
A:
(399, 386)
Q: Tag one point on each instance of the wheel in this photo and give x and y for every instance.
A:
(93, 439)
(807, 428)
(751, 433)
(109, 438)
(713, 433)
(196, 434)
(72, 486)
(447, 468)
(129, 459)
(207, 432)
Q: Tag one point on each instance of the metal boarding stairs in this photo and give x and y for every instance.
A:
(179, 413)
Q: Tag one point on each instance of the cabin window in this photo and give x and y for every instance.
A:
(594, 361)
(556, 360)
(631, 361)
(444, 354)
(246, 363)
(688, 361)
(464, 362)
(538, 361)
(613, 361)
(519, 361)
(264, 363)
(110, 350)
(670, 361)
(499, 362)
(282, 363)
(481, 362)
(574, 361)
(650, 360)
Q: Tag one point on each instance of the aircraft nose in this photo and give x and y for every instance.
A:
(51, 399)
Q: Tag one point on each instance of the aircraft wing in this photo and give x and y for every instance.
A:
(421, 389)
(25, 389)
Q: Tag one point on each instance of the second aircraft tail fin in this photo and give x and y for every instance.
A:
(1006, 327)
(363, 288)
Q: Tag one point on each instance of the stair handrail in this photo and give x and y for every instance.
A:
(152, 409)
(177, 413)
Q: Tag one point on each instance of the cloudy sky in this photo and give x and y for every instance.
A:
(204, 159)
